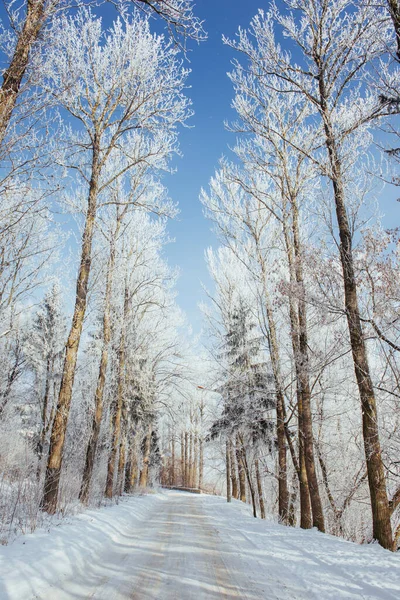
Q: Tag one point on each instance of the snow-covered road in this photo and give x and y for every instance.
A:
(181, 546)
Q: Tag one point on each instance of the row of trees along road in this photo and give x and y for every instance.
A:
(316, 89)
(89, 121)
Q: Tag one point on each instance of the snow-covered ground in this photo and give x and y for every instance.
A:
(179, 546)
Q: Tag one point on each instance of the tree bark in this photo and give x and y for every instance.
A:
(283, 494)
(44, 427)
(144, 474)
(13, 76)
(186, 475)
(228, 472)
(394, 10)
(382, 530)
(172, 479)
(99, 394)
(242, 474)
(305, 503)
(117, 412)
(259, 489)
(235, 489)
(57, 439)
(249, 479)
(201, 463)
(304, 380)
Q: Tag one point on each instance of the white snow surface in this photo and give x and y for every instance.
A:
(177, 545)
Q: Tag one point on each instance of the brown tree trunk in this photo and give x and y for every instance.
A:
(283, 494)
(228, 472)
(146, 458)
(172, 480)
(57, 439)
(44, 428)
(249, 479)
(133, 474)
(394, 9)
(303, 377)
(382, 529)
(186, 476)
(98, 399)
(242, 474)
(122, 450)
(235, 488)
(201, 463)
(182, 459)
(12, 77)
(305, 504)
(190, 482)
(195, 458)
(259, 490)
(118, 407)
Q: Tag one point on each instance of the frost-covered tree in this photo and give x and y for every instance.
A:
(338, 44)
(125, 89)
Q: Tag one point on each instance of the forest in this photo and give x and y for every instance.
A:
(289, 397)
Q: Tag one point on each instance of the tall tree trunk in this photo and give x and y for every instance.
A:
(228, 472)
(195, 459)
(182, 459)
(146, 458)
(172, 480)
(305, 503)
(57, 439)
(190, 482)
(242, 474)
(117, 412)
(99, 394)
(133, 474)
(382, 529)
(394, 9)
(283, 494)
(122, 450)
(186, 476)
(249, 478)
(12, 77)
(46, 398)
(260, 490)
(234, 481)
(303, 377)
(201, 463)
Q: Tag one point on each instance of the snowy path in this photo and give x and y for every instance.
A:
(182, 547)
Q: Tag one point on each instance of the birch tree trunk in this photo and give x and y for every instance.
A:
(57, 439)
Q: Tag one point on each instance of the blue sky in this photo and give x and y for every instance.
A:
(203, 145)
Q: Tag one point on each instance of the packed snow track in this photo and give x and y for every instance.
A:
(179, 546)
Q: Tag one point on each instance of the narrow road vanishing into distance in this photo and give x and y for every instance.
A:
(174, 545)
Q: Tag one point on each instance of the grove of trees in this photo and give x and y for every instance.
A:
(293, 406)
